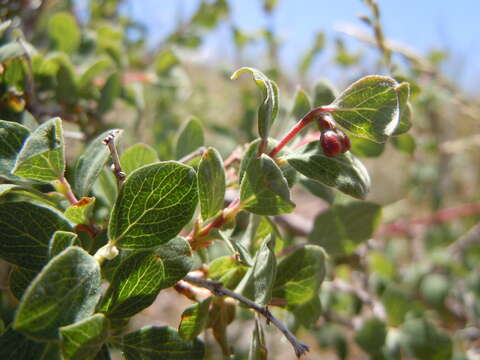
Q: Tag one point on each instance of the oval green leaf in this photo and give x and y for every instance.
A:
(153, 205)
(369, 108)
(42, 155)
(65, 291)
(211, 183)
(26, 243)
(343, 172)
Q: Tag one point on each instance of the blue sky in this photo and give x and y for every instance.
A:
(423, 24)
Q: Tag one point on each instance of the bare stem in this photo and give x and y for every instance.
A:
(109, 141)
(217, 289)
(196, 153)
(307, 119)
(68, 190)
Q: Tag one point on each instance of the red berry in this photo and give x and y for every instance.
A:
(325, 123)
(344, 140)
(330, 143)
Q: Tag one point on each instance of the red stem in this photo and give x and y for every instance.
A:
(307, 119)
(68, 190)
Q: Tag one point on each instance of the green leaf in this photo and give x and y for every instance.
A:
(366, 148)
(25, 243)
(10, 51)
(95, 69)
(194, 319)
(64, 32)
(318, 189)
(323, 93)
(211, 183)
(15, 346)
(308, 313)
(153, 205)
(109, 92)
(268, 109)
(258, 346)
(343, 172)
(257, 284)
(78, 212)
(90, 164)
(238, 249)
(252, 152)
(66, 91)
(299, 275)
(42, 155)
(404, 143)
(140, 277)
(28, 192)
(369, 108)
(19, 280)
(60, 241)
(264, 189)
(344, 226)
(159, 343)
(103, 354)
(65, 291)
(190, 137)
(136, 156)
(397, 304)
(307, 60)
(405, 123)
(12, 137)
(425, 341)
(84, 339)
(301, 104)
(371, 336)
(226, 270)
(165, 61)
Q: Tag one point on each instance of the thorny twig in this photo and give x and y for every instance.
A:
(217, 289)
(109, 141)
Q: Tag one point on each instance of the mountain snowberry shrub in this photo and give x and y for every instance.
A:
(88, 247)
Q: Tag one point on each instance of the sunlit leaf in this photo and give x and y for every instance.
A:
(65, 291)
(153, 205)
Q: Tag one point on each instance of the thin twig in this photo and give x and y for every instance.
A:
(109, 141)
(460, 246)
(196, 153)
(217, 289)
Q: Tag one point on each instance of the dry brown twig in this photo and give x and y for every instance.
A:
(217, 289)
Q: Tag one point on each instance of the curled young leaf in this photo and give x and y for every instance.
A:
(268, 109)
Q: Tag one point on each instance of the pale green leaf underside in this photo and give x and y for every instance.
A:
(42, 155)
(343, 172)
(66, 291)
(211, 183)
(299, 275)
(154, 204)
(341, 228)
(60, 241)
(264, 189)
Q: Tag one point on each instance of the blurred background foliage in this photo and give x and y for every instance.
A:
(413, 289)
